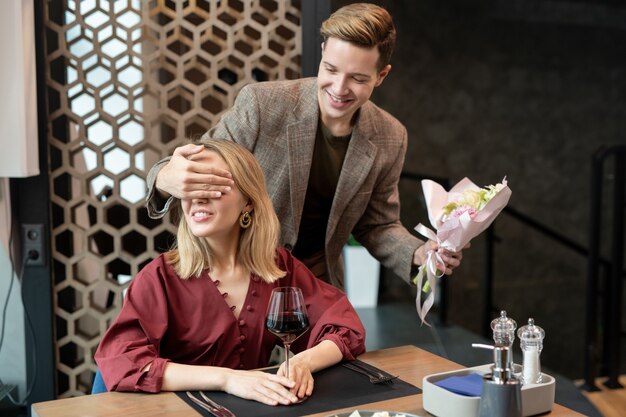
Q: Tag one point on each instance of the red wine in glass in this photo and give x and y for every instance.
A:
(288, 326)
(287, 317)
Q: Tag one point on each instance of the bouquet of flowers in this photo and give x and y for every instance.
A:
(458, 215)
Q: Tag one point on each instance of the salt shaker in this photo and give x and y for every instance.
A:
(504, 333)
(531, 342)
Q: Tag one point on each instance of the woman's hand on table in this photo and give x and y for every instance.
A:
(304, 364)
(301, 375)
(260, 386)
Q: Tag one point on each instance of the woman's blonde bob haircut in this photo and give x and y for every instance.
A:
(257, 244)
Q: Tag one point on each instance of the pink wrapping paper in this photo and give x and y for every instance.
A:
(453, 232)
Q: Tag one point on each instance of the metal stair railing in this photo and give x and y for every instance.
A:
(491, 239)
(612, 277)
(613, 272)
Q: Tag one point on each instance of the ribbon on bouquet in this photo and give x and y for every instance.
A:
(432, 273)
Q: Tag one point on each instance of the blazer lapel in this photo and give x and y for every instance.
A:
(301, 142)
(356, 166)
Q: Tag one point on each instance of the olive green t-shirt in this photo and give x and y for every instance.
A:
(328, 156)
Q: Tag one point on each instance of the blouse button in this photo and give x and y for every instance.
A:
(241, 366)
(242, 337)
(254, 292)
(249, 307)
(242, 322)
(255, 278)
(242, 350)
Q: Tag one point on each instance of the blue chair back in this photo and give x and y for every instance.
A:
(98, 386)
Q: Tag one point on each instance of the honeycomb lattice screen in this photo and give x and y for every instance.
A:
(127, 82)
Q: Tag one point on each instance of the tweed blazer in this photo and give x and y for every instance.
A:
(277, 121)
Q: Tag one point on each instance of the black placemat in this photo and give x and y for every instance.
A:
(335, 387)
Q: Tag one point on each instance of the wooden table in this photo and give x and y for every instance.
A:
(409, 362)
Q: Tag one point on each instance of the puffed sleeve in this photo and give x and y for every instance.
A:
(331, 316)
(133, 340)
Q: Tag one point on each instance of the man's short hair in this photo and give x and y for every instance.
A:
(365, 25)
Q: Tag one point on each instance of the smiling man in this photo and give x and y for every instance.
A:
(331, 158)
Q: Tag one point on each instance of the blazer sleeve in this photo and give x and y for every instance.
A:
(239, 124)
(380, 229)
(156, 205)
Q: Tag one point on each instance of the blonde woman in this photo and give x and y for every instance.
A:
(194, 318)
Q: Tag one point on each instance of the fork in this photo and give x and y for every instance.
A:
(204, 405)
(375, 375)
(384, 377)
(373, 379)
(225, 412)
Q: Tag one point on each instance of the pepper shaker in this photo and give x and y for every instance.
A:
(504, 333)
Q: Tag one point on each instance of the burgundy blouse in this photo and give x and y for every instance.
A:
(165, 318)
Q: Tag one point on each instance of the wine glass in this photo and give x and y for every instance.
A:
(287, 317)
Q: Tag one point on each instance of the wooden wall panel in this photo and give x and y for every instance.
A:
(127, 82)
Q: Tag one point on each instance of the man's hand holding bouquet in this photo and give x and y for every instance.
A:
(458, 216)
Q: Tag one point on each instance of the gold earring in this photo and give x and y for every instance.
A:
(245, 220)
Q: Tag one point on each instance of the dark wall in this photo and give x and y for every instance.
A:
(526, 89)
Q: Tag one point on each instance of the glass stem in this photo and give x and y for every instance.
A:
(287, 345)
